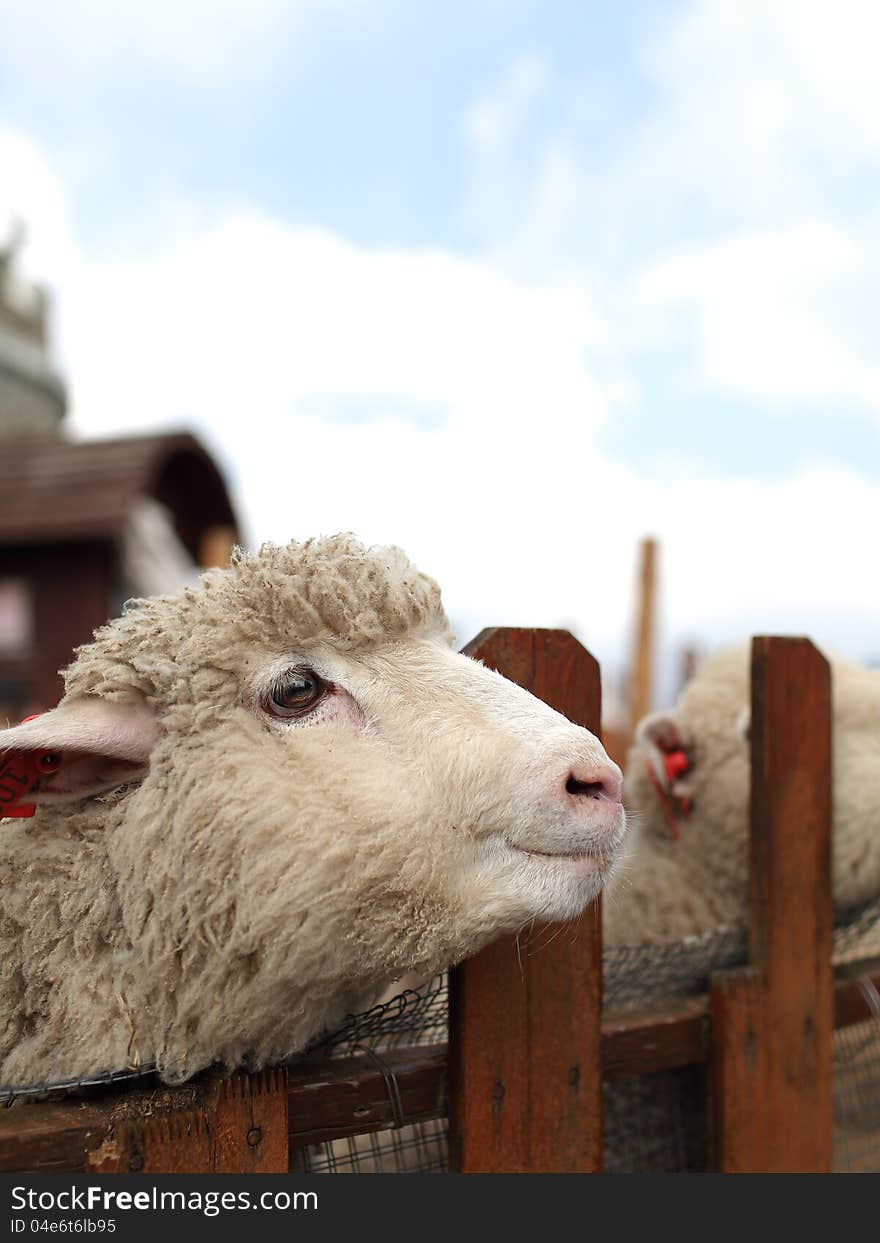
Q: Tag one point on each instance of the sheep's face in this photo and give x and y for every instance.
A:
(319, 786)
(705, 820)
(410, 800)
(516, 810)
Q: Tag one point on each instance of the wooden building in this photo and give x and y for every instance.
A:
(84, 525)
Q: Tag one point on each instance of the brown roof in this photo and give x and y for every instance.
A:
(55, 490)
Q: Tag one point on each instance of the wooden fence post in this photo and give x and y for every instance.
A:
(525, 1058)
(772, 1022)
(642, 688)
(234, 1124)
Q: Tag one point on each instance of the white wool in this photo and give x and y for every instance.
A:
(665, 890)
(253, 879)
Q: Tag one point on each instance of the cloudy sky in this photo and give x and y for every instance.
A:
(508, 282)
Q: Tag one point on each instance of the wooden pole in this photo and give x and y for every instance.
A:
(215, 547)
(772, 1022)
(525, 1057)
(643, 656)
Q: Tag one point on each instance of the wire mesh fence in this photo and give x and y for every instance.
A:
(857, 1092)
(653, 1123)
(417, 1148)
(416, 1016)
(635, 975)
(656, 1124)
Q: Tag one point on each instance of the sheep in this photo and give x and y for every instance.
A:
(273, 793)
(686, 872)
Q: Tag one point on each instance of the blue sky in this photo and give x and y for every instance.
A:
(354, 118)
(341, 114)
(411, 239)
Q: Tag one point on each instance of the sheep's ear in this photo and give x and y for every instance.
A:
(660, 736)
(81, 747)
(663, 731)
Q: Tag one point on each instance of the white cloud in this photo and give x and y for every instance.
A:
(735, 218)
(204, 42)
(254, 331)
(33, 195)
(769, 117)
(758, 114)
(294, 317)
(778, 80)
(776, 316)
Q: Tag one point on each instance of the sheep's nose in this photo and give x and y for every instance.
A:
(597, 781)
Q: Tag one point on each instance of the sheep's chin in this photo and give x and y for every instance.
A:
(539, 885)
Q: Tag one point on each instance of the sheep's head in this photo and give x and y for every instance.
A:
(302, 783)
(711, 726)
(687, 775)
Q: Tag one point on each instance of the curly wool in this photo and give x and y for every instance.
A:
(303, 594)
(259, 876)
(122, 915)
(668, 890)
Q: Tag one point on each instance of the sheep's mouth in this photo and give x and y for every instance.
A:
(594, 857)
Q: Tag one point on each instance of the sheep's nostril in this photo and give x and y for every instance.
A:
(590, 789)
(602, 783)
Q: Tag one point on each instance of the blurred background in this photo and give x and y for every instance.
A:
(512, 283)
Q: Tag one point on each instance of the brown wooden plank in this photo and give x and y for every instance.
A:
(772, 1021)
(525, 1068)
(644, 1041)
(851, 1004)
(211, 1124)
(237, 1125)
(215, 1124)
(488, 1062)
(679, 1033)
(169, 1143)
(65, 1135)
(50, 1138)
(349, 1096)
(249, 1123)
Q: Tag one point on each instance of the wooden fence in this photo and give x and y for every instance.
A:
(529, 1047)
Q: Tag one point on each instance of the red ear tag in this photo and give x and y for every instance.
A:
(676, 763)
(20, 772)
(18, 776)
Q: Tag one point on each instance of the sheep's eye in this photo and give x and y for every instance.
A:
(295, 693)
